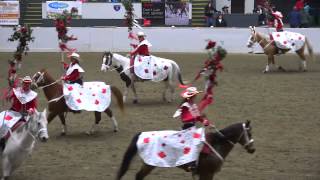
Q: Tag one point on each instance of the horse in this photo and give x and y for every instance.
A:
(122, 66)
(270, 49)
(53, 91)
(220, 143)
(21, 142)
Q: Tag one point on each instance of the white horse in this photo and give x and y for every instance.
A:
(122, 65)
(21, 142)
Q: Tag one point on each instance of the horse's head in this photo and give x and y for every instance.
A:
(37, 125)
(39, 79)
(253, 37)
(233, 134)
(106, 61)
(246, 139)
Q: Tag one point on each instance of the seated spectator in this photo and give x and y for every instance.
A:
(225, 10)
(262, 15)
(294, 18)
(220, 21)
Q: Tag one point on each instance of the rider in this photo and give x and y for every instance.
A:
(278, 24)
(189, 111)
(73, 70)
(190, 114)
(142, 49)
(24, 101)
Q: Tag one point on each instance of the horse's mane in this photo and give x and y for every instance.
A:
(227, 132)
(48, 76)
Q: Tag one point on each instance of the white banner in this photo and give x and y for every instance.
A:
(55, 8)
(9, 12)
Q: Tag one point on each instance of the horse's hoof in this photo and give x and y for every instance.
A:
(281, 69)
(115, 130)
(135, 101)
(63, 134)
(265, 71)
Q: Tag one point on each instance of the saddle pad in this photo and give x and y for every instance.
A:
(152, 68)
(92, 96)
(288, 40)
(170, 148)
(7, 120)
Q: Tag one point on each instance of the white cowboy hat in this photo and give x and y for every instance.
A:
(189, 92)
(27, 79)
(140, 33)
(278, 14)
(75, 55)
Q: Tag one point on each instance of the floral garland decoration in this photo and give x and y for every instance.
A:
(211, 66)
(129, 16)
(23, 34)
(61, 22)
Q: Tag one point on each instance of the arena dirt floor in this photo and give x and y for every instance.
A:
(283, 107)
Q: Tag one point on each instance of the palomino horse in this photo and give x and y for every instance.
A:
(57, 105)
(221, 142)
(270, 49)
(21, 142)
(122, 66)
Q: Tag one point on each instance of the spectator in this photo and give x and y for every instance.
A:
(220, 21)
(299, 4)
(209, 10)
(262, 15)
(225, 10)
(305, 19)
(294, 18)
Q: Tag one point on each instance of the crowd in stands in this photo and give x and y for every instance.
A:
(210, 13)
(302, 15)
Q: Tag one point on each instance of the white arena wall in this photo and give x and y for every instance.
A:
(163, 39)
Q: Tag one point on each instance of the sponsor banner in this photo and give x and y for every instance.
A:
(177, 13)
(153, 11)
(55, 8)
(9, 12)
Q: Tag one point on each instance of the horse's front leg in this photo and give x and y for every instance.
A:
(270, 59)
(135, 97)
(63, 122)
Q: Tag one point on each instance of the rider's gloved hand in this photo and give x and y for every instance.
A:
(30, 111)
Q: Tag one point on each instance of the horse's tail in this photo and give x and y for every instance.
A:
(117, 93)
(310, 50)
(128, 156)
(177, 72)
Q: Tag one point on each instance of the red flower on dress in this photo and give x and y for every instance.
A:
(8, 118)
(104, 90)
(196, 135)
(146, 71)
(96, 102)
(162, 154)
(154, 73)
(79, 100)
(284, 42)
(146, 140)
(182, 141)
(165, 67)
(93, 94)
(70, 88)
(186, 150)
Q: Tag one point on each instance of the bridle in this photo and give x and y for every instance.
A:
(244, 133)
(106, 65)
(255, 40)
(40, 79)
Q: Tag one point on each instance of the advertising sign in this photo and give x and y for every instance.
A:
(9, 12)
(177, 13)
(55, 8)
(153, 11)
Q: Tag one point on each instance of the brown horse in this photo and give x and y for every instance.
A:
(57, 105)
(221, 142)
(270, 49)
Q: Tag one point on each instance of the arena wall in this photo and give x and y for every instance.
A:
(163, 39)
